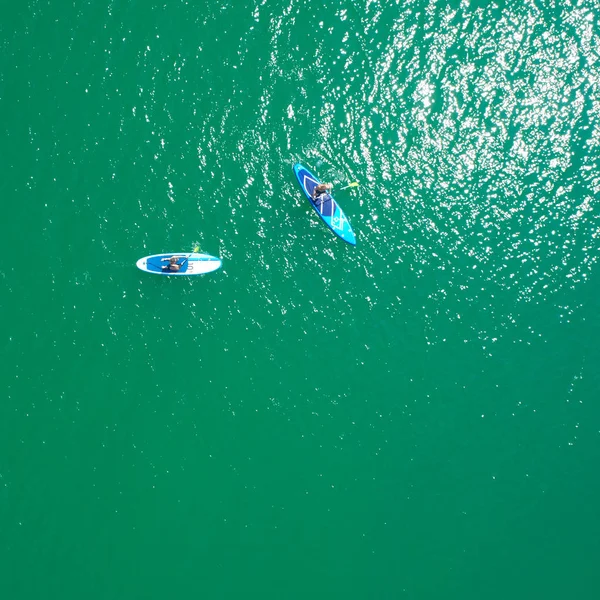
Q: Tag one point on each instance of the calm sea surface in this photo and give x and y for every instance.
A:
(417, 417)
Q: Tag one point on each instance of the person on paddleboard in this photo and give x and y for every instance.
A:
(320, 191)
(173, 264)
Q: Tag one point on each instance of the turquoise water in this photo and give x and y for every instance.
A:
(416, 417)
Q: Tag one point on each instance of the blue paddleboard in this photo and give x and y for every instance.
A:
(326, 207)
(189, 264)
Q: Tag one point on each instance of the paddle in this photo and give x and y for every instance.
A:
(353, 184)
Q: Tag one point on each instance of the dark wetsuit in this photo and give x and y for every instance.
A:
(172, 267)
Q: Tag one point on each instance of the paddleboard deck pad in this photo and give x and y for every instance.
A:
(189, 264)
(325, 206)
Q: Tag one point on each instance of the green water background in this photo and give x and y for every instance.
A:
(416, 417)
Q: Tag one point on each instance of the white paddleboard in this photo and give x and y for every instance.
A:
(189, 263)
